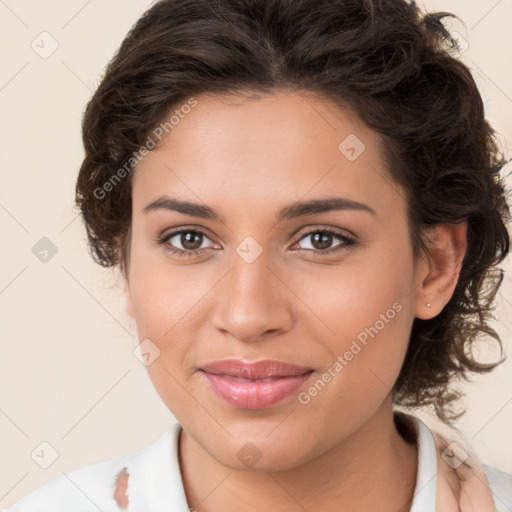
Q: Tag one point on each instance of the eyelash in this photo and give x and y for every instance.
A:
(347, 242)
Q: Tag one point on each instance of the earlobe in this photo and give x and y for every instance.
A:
(438, 271)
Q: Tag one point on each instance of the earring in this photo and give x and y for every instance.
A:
(428, 304)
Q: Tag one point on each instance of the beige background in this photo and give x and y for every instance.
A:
(68, 374)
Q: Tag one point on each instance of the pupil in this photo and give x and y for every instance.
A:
(187, 240)
(322, 240)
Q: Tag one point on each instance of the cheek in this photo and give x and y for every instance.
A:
(369, 312)
(163, 294)
(367, 293)
(169, 308)
(164, 312)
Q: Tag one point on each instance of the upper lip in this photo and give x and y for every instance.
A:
(254, 370)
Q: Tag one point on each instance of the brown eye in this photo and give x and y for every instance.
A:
(322, 240)
(190, 240)
(186, 242)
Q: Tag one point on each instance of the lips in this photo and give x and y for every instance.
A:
(255, 385)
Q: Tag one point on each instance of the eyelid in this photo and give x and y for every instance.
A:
(347, 241)
(167, 233)
(309, 230)
(165, 237)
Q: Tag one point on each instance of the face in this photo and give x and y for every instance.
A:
(261, 269)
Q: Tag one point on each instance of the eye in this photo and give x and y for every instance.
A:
(186, 242)
(190, 242)
(321, 240)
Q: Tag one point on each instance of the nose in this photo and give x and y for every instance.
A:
(254, 303)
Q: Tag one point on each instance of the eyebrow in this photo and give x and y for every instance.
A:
(291, 211)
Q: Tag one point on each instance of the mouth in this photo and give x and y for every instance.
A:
(257, 385)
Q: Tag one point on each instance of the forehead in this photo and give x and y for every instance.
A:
(275, 148)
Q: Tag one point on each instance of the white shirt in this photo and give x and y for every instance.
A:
(155, 483)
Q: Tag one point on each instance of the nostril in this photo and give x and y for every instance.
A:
(121, 490)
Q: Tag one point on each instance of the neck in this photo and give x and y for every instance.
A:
(372, 469)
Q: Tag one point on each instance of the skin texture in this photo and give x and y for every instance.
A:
(247, 159)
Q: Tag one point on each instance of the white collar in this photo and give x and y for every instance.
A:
(425, 491)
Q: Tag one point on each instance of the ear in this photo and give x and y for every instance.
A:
(438, 271)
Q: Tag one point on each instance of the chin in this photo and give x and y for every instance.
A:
(259, 455)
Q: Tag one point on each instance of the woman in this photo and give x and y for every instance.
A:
(305, 202)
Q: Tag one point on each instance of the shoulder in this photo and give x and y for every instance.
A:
(82, 490)
(501, 487)
(462, 479)
(92, 487)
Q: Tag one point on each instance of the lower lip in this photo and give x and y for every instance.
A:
(254, 394)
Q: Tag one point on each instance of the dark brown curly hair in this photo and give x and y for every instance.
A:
(393, 65)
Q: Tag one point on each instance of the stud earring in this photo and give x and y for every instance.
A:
(428, 304)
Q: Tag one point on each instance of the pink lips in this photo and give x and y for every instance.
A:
(254, 385)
